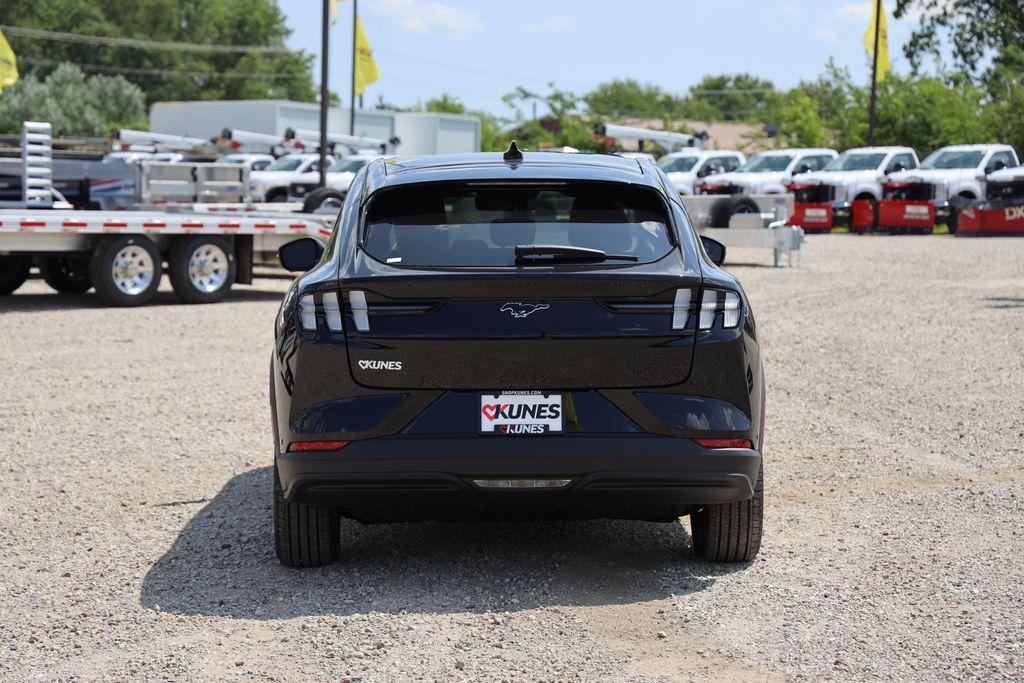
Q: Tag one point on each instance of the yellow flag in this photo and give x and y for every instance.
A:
(878, 16)
(335, 12)
(366, 70)
(8, 67)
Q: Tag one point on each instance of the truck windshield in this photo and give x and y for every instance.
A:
(677, 164)
(856, 161)
(284, 164)
(445, 225)
(951, 158)
(347, 165)
(766, 163)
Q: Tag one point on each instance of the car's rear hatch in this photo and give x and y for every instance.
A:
(523, 331)
(452, 303)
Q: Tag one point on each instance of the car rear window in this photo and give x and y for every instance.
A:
(467, 225)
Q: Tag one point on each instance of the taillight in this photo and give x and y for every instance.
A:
(719, 301)
(328, 306)
(725, 443)
(317, 445)
(681, 309)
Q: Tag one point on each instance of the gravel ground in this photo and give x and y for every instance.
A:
(135, 529)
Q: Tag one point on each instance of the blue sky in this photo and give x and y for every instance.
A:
(480, 50)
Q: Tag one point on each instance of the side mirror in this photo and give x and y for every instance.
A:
(714, 249)
(300, 255)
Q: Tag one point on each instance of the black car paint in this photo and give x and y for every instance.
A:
(411, 458)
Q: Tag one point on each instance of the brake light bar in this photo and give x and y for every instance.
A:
(725, 443)
(317, 445)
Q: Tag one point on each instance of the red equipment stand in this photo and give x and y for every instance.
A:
(862, 216)
(813, 218)
(906, 216)
(979, 220)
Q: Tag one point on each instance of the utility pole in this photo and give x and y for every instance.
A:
(874, 75)
(324, 92)
(355, 58)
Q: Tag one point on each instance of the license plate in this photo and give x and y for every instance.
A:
(520, 412)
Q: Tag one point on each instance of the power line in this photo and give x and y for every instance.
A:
(161, 72)
(108, 41)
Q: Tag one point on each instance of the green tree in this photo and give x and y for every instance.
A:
(975, 29)
(798, 124)
(630, 98)
(73, 103)
(166, 74)
(731, 97)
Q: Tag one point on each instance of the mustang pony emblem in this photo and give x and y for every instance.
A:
(520, 310)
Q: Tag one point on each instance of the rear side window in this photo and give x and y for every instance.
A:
(466, 225)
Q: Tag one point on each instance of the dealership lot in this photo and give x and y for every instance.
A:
(135, 528)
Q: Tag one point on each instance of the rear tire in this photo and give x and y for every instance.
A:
(304, 536)
(723, 210)
(66, 274)
(202, 269)
(277, 195)
(320, 196)
(730, 532)
(14, 270)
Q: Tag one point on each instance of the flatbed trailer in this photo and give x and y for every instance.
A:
(122, 254)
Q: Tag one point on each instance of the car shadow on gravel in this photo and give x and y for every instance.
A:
(223, 564)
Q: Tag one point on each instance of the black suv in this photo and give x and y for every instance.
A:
(515, 336)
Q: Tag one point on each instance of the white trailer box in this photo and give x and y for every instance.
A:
(436, 133)
(419, 132)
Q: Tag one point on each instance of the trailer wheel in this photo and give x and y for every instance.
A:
(202, 269)
(724, 208)
(126, 270)
(14, 270)
(66, 274)
(323, 197)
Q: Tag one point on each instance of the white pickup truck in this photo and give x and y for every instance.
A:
(339, 179)
(849, 184)
(768, 172)
(271, 184)
(763, 176)
(947, 181)
(688, 167)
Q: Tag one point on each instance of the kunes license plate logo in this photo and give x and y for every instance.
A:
(521, 413)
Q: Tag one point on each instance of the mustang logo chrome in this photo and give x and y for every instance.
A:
(520, 310)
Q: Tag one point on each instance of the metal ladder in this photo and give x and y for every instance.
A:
(37, 164)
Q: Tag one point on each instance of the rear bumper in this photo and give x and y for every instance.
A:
(628, 477)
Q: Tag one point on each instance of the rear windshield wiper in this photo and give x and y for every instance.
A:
(525, 253)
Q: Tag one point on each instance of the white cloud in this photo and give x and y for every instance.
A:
(855, 12)
(826, 34)
(556, 23)
(428, 16)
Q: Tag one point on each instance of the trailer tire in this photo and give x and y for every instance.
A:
(66, 274)
(202, 269)
(14, 269)
(126, 270)
(320, 196)
(723, 210)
